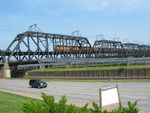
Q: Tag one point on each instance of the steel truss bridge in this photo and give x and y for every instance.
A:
(30, 47)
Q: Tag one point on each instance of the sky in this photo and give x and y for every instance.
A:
(123, 20)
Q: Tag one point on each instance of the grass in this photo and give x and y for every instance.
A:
(10, 103)
(95, 68)
(143, 80)
(70, 80)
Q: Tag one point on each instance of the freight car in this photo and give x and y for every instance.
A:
(72, 48)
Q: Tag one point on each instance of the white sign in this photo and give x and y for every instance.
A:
(109, 96)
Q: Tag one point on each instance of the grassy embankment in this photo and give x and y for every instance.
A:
(68, 80)
(95, 68)
(14, 104)
(10, 103)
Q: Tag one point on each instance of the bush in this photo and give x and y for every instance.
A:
(48, 105)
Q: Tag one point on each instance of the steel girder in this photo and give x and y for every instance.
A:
(131, 49)
(107, 48)
(32, 46)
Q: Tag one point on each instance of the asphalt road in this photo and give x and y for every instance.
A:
(82, 92)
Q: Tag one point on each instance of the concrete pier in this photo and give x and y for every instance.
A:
(5, 70)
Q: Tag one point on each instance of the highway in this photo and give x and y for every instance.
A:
(82, 92)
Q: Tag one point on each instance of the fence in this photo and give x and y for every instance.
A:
(44, 63)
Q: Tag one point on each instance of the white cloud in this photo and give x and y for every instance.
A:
(110, 5)
(88, 5)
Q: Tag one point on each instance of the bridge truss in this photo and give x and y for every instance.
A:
(33, 46)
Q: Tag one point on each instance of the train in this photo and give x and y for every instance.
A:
(72, 48)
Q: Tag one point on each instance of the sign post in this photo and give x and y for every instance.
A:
(100, 96)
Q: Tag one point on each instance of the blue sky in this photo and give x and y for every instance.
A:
(126, 19)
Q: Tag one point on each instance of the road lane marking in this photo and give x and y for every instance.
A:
(122, 90)
(67, 87)
(134, 90)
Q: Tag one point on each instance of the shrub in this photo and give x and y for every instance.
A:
(48, 105)
(131, 108)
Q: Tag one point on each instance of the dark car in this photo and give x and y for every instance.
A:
(37, 83)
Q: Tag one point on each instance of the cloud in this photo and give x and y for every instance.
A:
(110, 5)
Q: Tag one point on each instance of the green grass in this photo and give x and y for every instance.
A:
(143, 80)
(10, 103)
(69, 80)
(95, 68)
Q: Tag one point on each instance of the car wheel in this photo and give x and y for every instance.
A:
(30, 86)
(39, 87)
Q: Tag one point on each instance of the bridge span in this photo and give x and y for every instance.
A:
(30, 47)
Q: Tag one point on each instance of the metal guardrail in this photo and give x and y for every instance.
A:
(77, 61)
(94, 60)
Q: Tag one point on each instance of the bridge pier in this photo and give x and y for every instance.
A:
(5, 70)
